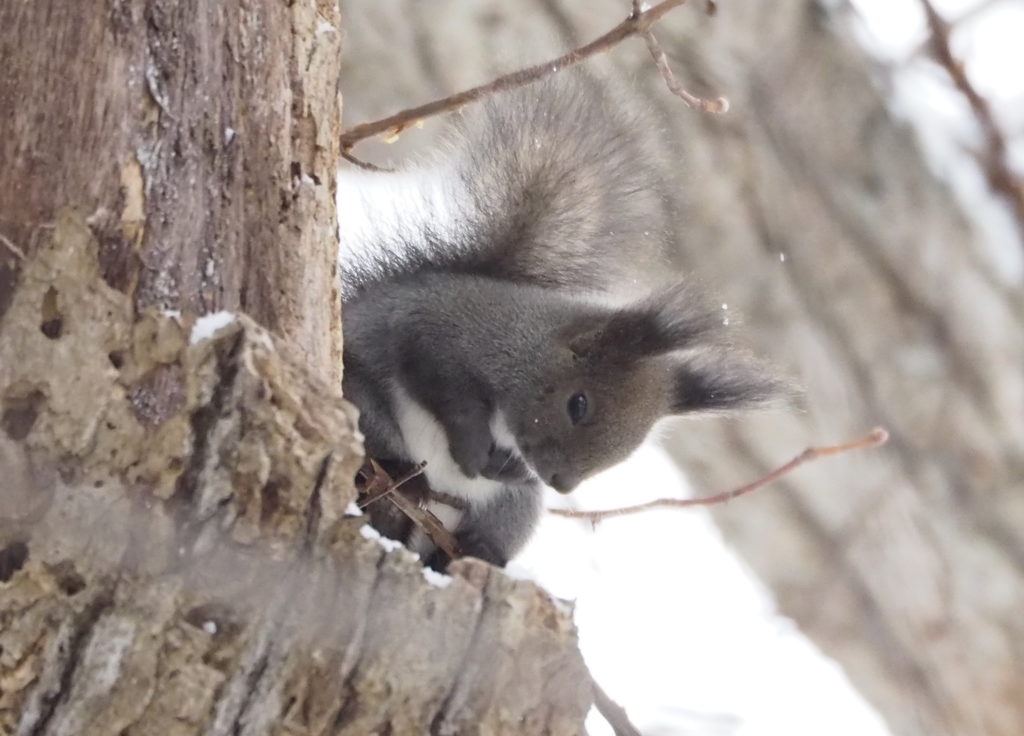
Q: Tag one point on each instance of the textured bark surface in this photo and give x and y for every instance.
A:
(175, 556)
(813, 215)
(201, 141)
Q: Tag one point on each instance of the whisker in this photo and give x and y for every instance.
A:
(508, 458)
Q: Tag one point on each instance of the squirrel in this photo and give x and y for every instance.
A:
(505, 321)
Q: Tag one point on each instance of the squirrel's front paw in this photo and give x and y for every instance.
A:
(471, 452)
(470, 544)
(476, 545)
(506, 466)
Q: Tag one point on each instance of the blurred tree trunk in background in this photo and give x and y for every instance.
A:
(812, 213)
(175, 552)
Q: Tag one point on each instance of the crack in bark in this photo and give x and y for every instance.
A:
(252, 682)
(438, 721)
(344, 711)
(314, 510)
(273, 623)
(351, 659)
(265, 628)
(76, 644)
(275, 619)
(203, 422)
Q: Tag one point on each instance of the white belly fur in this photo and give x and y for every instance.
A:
(426, 440)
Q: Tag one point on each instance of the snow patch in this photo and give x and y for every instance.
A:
(369, 532)
(207, 325)
(437, 579)
(703, 633)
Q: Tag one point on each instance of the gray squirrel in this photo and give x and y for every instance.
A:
(500, 322)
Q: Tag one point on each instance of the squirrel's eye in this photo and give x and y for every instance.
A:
(577, 407)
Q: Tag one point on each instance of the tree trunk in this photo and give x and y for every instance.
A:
(814, 214)
(175, 553)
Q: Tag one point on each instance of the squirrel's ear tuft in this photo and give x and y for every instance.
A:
(725, 380)
(671, 319)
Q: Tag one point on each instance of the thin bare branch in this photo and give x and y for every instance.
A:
(965, 17)
(637, 23)
(379, 483)
(878, 436)
(429, 523)
(995, 159)
(365, 164)
(448, 499)
(717, 105)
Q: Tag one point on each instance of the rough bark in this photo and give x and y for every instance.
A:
(907, 565)
(175, 556)
(199, 139)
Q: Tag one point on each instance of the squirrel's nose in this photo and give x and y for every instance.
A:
(561, 482)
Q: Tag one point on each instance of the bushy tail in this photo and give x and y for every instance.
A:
(550, 184)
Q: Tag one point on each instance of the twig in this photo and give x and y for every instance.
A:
(966, 16)
(878, 436)
(614, 713)
(717, 105)
(12, 247)
(637, 23)
(995, 163)
(380, 484)
(365, 164)
(429, 523)
(449, 500)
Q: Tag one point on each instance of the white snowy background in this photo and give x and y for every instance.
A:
(671, 622)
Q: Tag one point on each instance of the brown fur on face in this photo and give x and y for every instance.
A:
(623, 402)
(634, 365)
